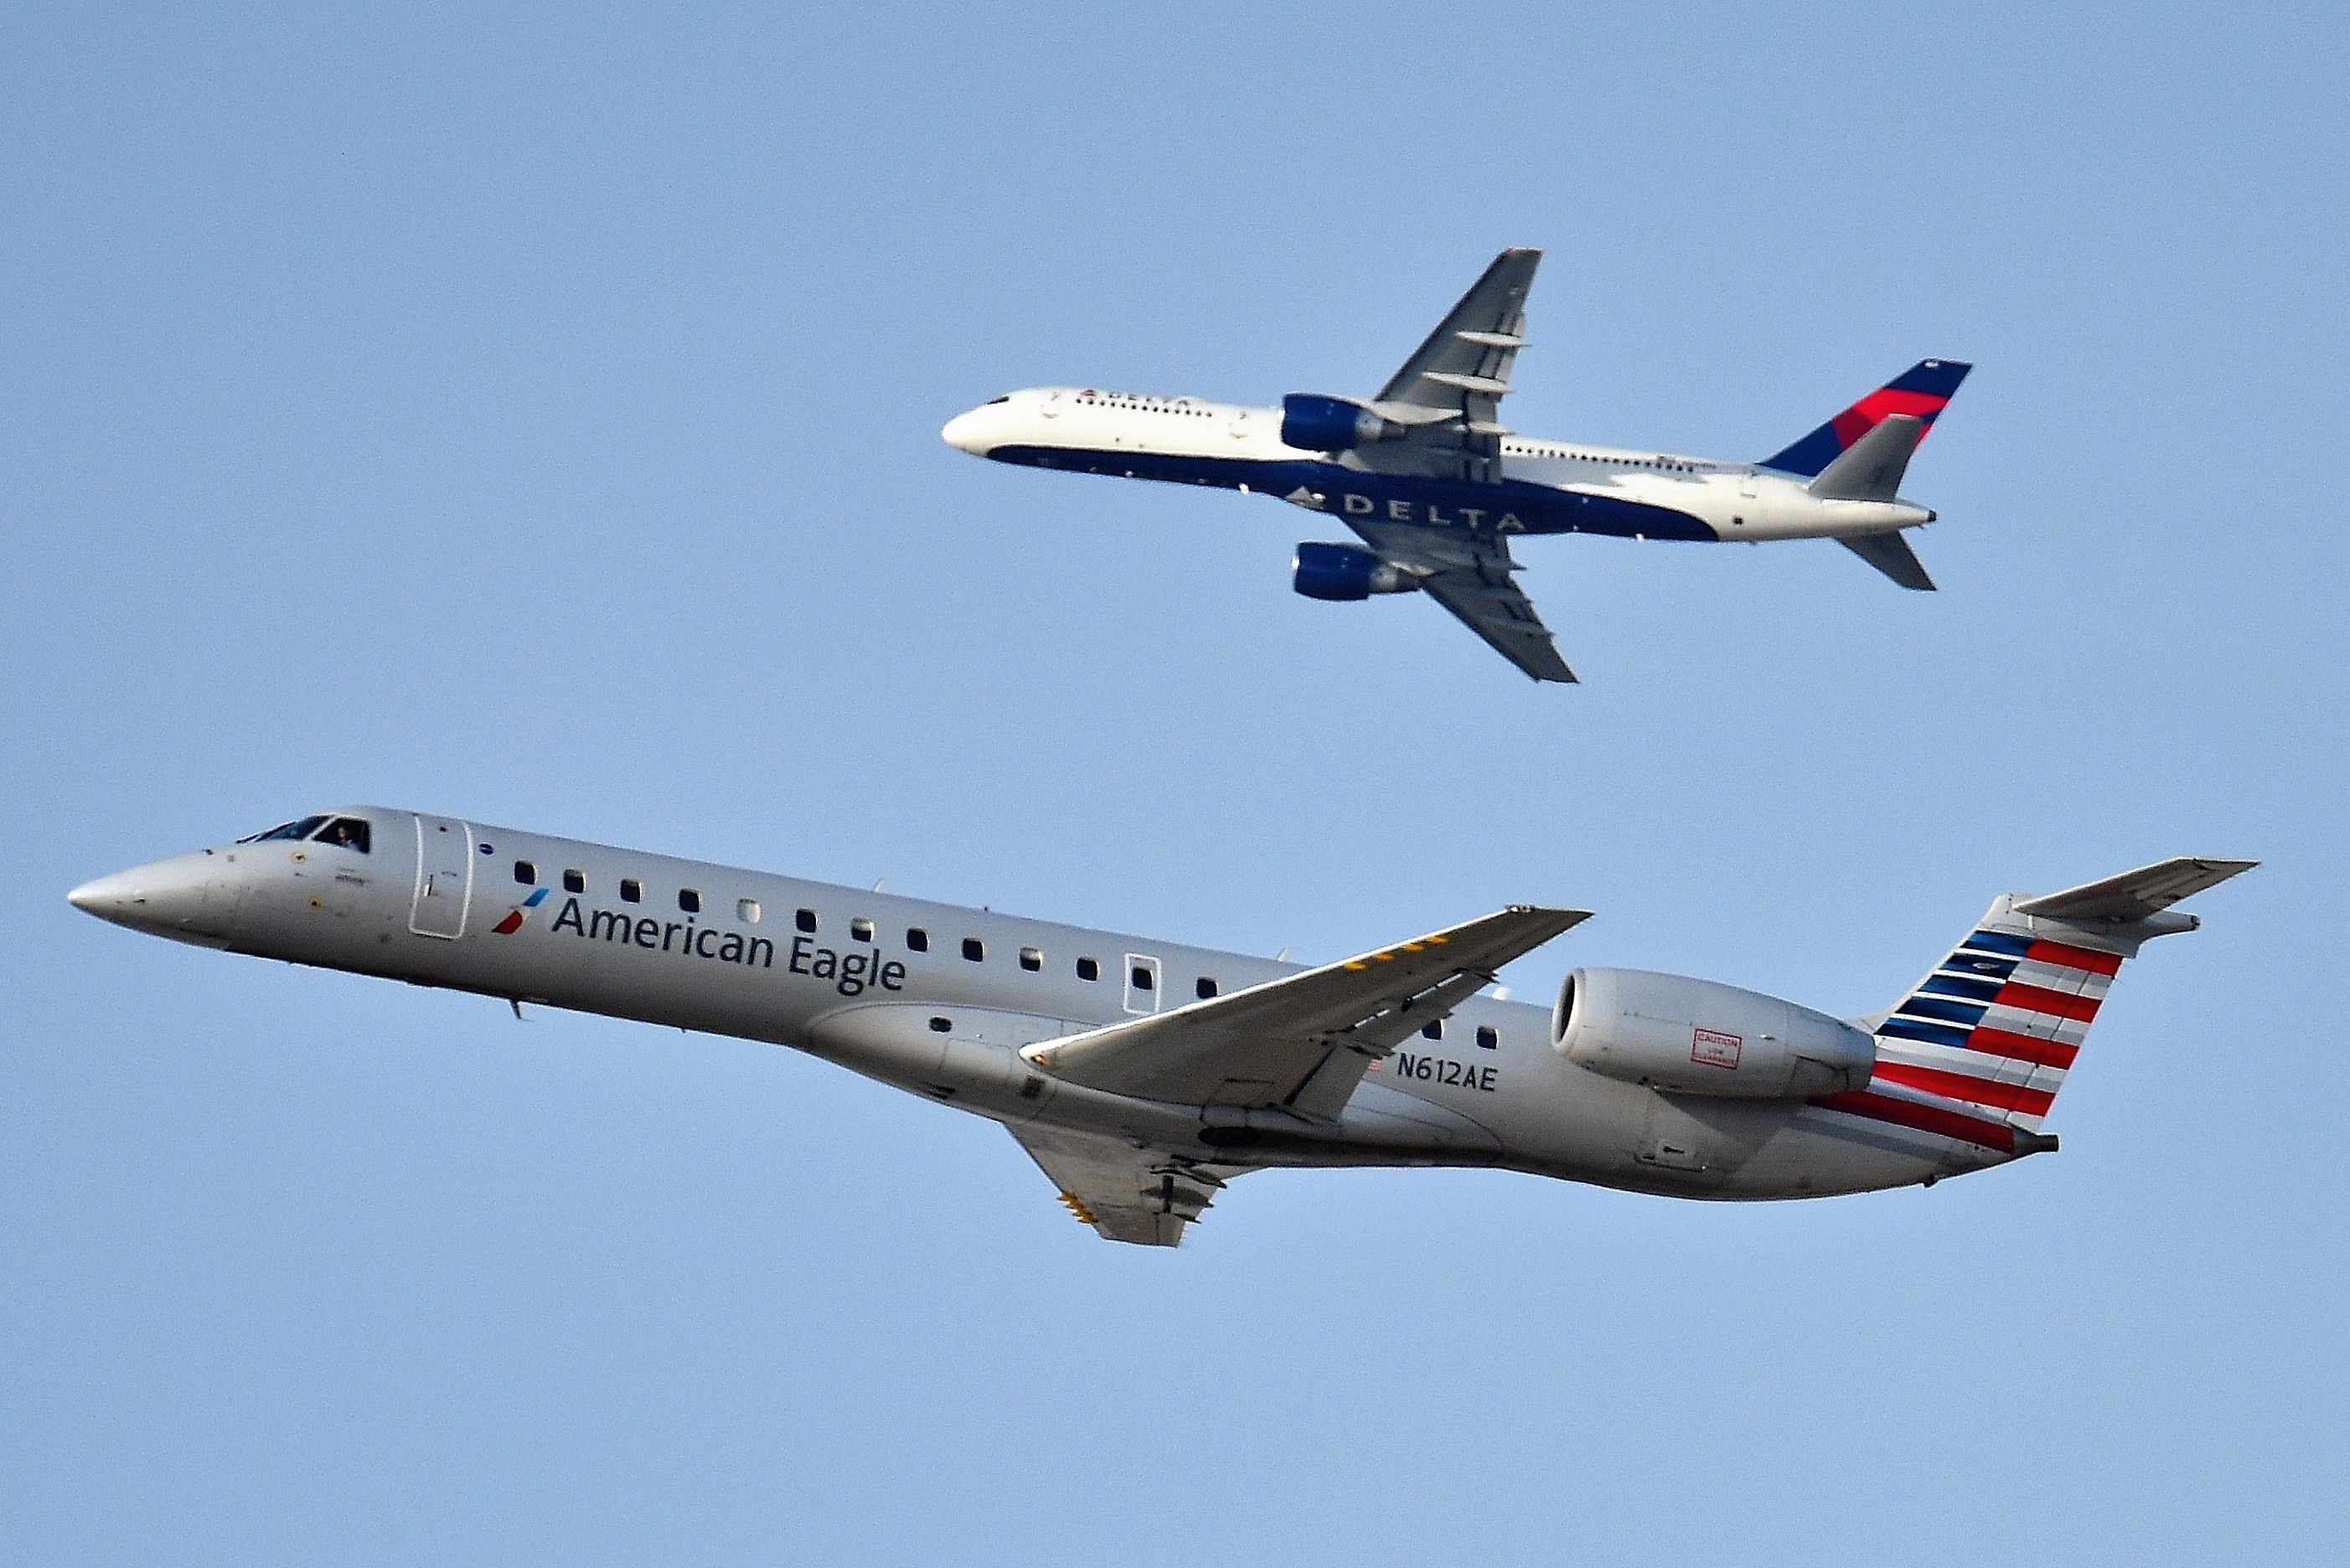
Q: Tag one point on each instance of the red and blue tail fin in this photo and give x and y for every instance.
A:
(1923, 390)
(1986, 1039)
(1978, 1048)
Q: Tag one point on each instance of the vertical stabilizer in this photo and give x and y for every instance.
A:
(1923, 390)
(1978, 1048)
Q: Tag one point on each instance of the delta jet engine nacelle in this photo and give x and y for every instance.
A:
(1697, 1037)
(1311, 422)
(1344, 572)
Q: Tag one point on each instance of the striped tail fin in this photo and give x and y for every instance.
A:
(1921, 391)
(1978, 1048)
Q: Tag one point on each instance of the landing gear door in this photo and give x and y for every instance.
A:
(444, 878)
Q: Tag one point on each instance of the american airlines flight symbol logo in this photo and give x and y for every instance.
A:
(513, 922)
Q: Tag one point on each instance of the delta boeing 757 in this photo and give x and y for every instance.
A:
(1144, 1076)
(1435, 486)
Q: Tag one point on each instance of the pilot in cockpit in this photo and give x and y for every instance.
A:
(342, 832)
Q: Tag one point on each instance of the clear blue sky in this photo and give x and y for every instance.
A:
(536, 417)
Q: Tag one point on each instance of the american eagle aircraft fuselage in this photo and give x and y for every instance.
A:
(1435, 487)
(1143, 1075)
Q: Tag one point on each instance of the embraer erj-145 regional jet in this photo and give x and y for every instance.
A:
(1434, 486)
(1143, 1077)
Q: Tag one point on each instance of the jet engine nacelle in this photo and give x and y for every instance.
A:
(1347, 572)
(1696, 1037)
(1312, 423)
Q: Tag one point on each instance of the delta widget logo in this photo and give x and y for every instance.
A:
(515, 917)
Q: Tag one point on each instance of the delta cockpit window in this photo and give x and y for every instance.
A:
(342, 832)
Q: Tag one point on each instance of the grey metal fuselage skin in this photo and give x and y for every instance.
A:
(856, 992)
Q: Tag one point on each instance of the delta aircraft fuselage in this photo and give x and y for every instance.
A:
(1215, 1064)
(1436, 488)
(1544, 487)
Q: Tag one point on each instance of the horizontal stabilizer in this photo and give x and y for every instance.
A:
(1890, 554)
(2135, 895)
(1872, 467)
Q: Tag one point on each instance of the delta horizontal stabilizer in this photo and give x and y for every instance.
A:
(1871, 469)
(1890, 554)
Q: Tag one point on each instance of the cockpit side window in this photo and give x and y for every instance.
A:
(302, 829)
(346, 833)
(992, 401)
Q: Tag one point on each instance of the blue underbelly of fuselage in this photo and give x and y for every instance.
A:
(1515, 505)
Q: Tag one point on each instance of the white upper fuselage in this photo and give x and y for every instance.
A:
(1547, 486)
(938, 1000)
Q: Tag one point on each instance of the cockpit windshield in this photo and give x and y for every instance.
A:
(302, 829)
(343, 831)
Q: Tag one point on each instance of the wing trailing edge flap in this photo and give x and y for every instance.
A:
(1476, 341)
(1301, 1043)
(1474, 578)
(1449, 393)
(1124, 1193)
(1504, 617)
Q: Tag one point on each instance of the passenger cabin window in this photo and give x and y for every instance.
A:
(689, 900)
(575, 881)
(806, 920)
(1433, 1029)
(632, 890)
(526, 873)
(917, 939)
(1207, 986)
(1088, 970)
(747, 910)
(346, 833)
(1488, 1037)
(973, 949)
(1031, 959)
(861, 930)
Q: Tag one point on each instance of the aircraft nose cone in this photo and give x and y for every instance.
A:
(964, 433)
(169, 898)
(100, 895)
